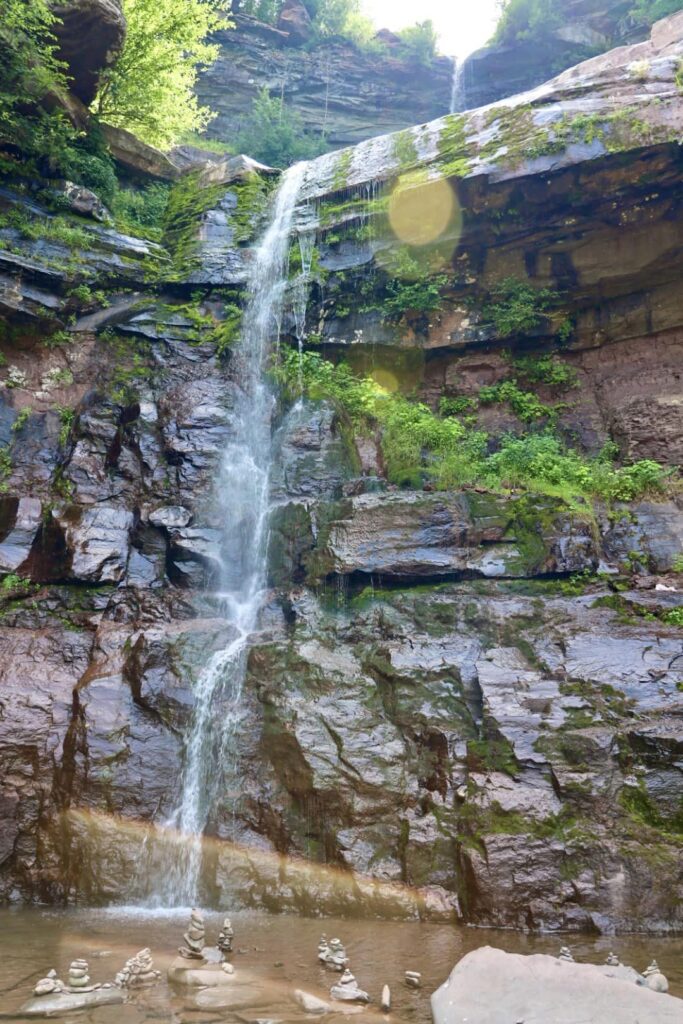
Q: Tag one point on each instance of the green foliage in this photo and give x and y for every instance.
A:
(457, 406)
(673, 617)
(33, 138)
(149, 90)
(29, 70)
(518, 307)
(226, 333)
(412, 286)
(274, 134)
(5, 468)
(528, 19)
(67, 417)
(646, 12)
(22, 419)
(418, 42)
(12, 581)
(548, 369)
(418, 445)
(525, 404)
(141, 211)
(677, 564)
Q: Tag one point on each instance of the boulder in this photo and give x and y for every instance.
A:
(296, 22)
(90, 35)
(489, 986)
(99, 541)
(81, 200)
(138, 158)
(421, 535)
(58, 1003)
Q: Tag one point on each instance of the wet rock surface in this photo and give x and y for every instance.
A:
(440, 719)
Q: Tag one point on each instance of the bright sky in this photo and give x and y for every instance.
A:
(463, 25)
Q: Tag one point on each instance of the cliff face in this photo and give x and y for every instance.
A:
(460, 704)
(512, 66)
(335, 88)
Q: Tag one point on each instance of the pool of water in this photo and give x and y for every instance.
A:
(274, 956)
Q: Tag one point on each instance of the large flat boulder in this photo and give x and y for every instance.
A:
(90, 34)
(489, 986)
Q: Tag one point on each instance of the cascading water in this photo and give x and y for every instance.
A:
(458, 86)
(243, 495)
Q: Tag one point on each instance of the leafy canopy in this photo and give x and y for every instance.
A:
(29, 70)
(150, 89)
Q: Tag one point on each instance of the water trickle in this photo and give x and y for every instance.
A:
(243, 495)
(458, 102)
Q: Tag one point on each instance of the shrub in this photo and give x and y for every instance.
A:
(418, 42)
(275, 134)
(142, 210)
(548, 369)
(524, 404)
(417, 444)
(518, 307)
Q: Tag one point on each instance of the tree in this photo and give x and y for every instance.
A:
(149, 90)
(418, 42)
(29, 70)
(274, 134)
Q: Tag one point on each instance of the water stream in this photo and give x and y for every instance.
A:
(242, 492)
(458, 86)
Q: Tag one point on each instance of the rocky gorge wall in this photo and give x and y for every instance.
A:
(335, 88)
(461, 704)
(535, 53)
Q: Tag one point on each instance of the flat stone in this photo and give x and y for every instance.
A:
(310, 1003)
(65, 1002)
(489, 986)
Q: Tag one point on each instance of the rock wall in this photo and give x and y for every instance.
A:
(460, 704)
(512, 66)
(346, 94)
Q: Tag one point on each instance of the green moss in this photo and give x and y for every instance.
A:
(495, 754)
(252, 199)
(187, 203)
(454, 155)
(341, 170)
(404, 150)
(640, 805)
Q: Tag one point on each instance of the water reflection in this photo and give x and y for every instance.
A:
(273, 956)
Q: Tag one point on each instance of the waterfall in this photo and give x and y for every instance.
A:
(458, 99)
(242, 493)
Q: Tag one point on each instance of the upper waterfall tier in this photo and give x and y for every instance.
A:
(621, 100)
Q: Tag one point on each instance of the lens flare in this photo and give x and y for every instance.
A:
(420, 212)
(386, 379)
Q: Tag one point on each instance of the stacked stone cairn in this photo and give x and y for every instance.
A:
(332, 954)
(194, 937)
(347, 991)
(613, 960)
(49, 985)
(413, 979)
(138, 970)
(654, 978)
(79, 980)
(566, 954)
(225, 938)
